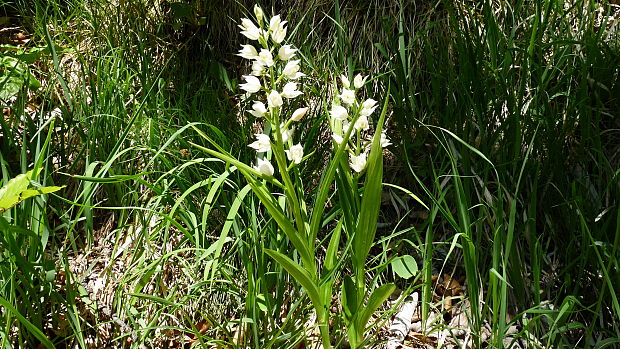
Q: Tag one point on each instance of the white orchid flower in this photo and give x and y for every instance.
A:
(274, 99)
(299, 114)
(264, 167)
(291, 70)
(258, 12)
(361, 123)
(347, 96)
(250, 30)
(290, 90)
(345, 81)
(295, 154)
(286, 134)
(248, 52)
(359, 81)
(385, 142)
(258, 109)
(252, 84)
(279, 35)
(258, 68)
(262, 143)
(339, 112)
(274, 23)
(358, 162)
(265, 57)
(277, 28)
(368, 107)
(286, 52)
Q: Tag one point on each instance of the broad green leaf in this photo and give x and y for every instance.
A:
(375, 300)
(405, 266)
(349, 298)
(300, 274)
(371, 199)
(19, 189)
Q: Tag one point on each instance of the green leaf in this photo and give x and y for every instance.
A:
(19, 189)
(371, 199)
(32, 328)
(377, 298)
(349, 299)
(405, 266)
(300, 274)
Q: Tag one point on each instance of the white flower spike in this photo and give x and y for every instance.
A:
(347, 96)
(262, 143)
(249, 29)
(299, 114)
(295, 154)
(274, 99)
(339, 112)
(252, 84)
(358, 162)
(258, 109)
(290, 90)
(359, 81)
(248, 52)
(264, 167)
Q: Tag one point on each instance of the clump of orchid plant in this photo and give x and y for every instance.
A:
(274, 82)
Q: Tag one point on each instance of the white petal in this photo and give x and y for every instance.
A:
(299, 114)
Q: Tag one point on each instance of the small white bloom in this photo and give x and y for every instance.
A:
(368, 107)
(347, 96)
(252, 84)
(337, 138)
(339, 112)
(258, 109)
(274, 23)
(279, 35)
(258, 68)
(345, 81)
(369, 103)
(291, 69)
(286, 134)
(299, 114)
(265, 57)
(295, 154)
(358, 162)
(277, 28)
(264, 167)
(361, 123)
(286, 52)
(274, 99)
(250, 30)
(248, 52)
(262, 143)
(385, 142)
(290, 90)
(359, 81)
(258, 12)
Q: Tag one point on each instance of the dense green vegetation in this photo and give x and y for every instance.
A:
(502, 173)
